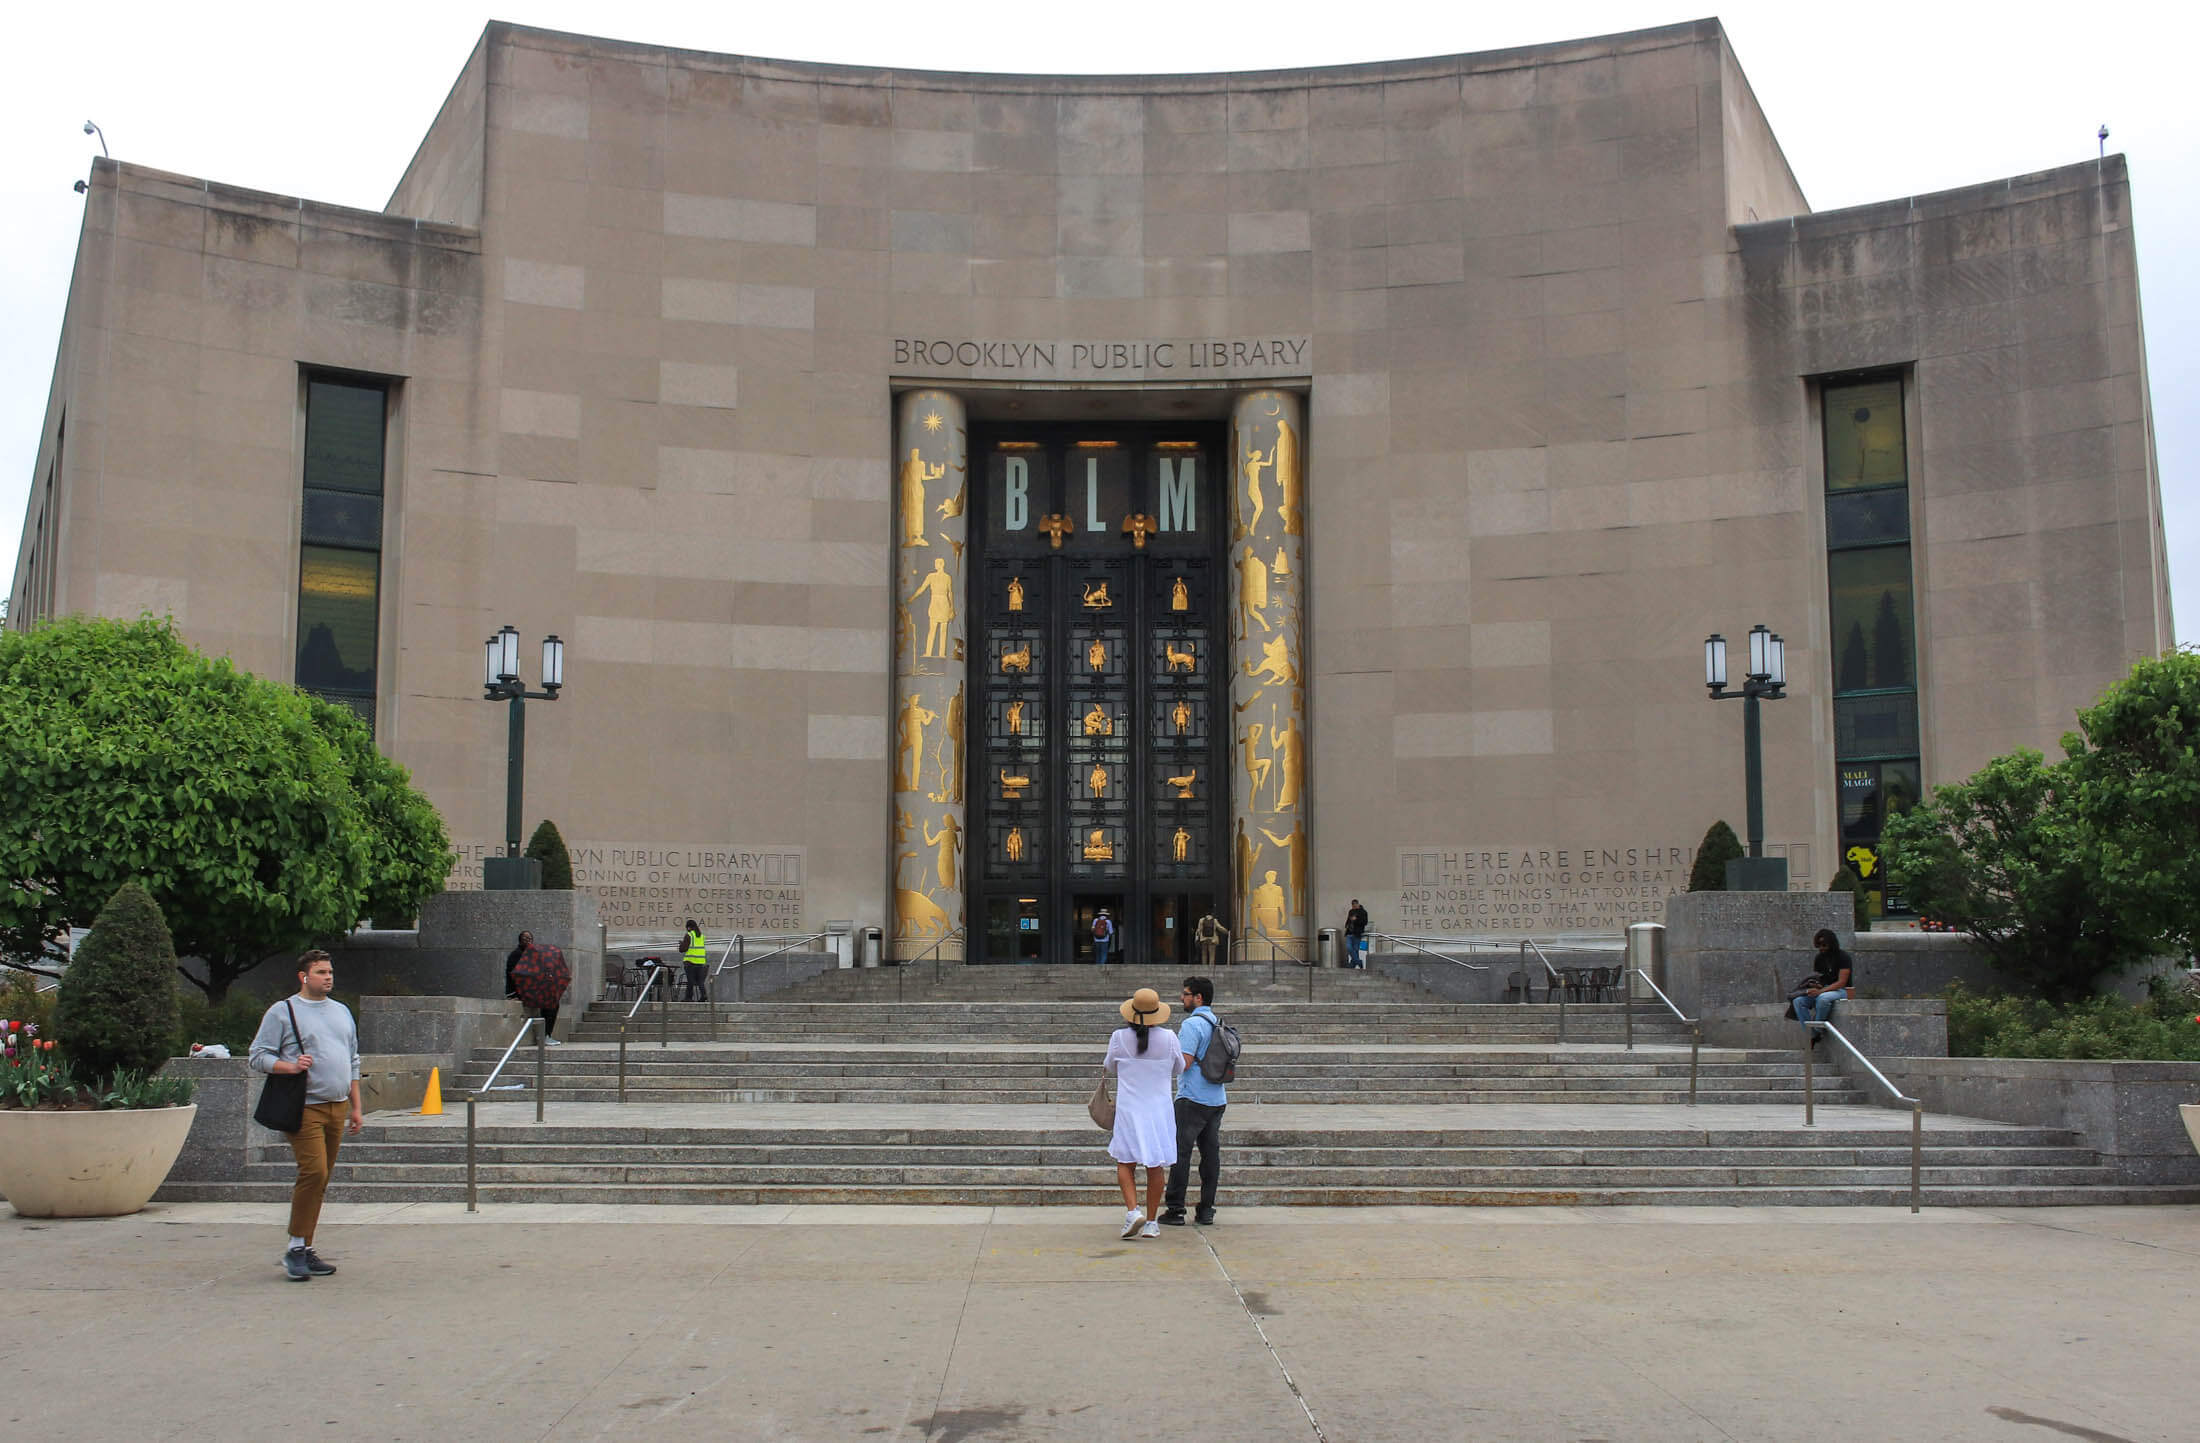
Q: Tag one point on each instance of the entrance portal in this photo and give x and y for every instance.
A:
(1100, 774)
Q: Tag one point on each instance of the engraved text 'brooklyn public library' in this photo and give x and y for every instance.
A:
(1192, 359)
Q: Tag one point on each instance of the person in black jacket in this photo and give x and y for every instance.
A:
(1836, 975)
(511, 960)
(1355, 936)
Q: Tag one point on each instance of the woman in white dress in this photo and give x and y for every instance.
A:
(1145, 1060)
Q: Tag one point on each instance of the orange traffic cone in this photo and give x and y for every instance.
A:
(432, 1104)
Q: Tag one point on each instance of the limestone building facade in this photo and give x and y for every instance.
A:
(980, 500)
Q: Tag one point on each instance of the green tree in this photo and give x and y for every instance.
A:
(2136, 761)
(255, 822)
(117, 1008)
(1719, 846)
(548, 848)
(2007, 857)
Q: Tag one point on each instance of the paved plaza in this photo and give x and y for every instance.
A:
(1636, 1325)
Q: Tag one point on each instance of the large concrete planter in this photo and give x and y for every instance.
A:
(2190, 1112)
(88, 1164)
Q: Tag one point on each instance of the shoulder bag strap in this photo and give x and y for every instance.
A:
(294, 1030)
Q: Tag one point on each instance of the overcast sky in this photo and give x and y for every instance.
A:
(1870, 103)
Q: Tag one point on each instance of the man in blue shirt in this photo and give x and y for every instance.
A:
(1199, 1106)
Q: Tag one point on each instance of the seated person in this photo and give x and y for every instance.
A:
(1836, 974)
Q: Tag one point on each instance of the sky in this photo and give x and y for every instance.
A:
(1869, 102)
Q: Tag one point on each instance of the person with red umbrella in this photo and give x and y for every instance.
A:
(539, 979)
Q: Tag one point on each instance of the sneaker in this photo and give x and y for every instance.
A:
(295, 1266)
(552, 1042)
(1173, 1218)
(315, 1266)
(1205, 1217)
(1132, 1222)
(1150, 1230)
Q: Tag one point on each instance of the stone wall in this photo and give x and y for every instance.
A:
(1725, 950)
(463, 939)
(2126, 1111)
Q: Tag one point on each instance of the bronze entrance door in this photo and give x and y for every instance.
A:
(1098, 773)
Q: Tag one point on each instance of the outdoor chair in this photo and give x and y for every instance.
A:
(1516, 986)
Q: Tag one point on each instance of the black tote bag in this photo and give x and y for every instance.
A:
(282, 1106)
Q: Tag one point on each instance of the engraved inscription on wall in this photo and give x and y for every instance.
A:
(1194, 358)
(1537, 889)
(658, 886)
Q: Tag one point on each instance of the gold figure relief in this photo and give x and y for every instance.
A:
(1256, 461)
(1056, 526)
(1015, 593)
(1287, 744)
(1014, 846)
(1181, 714)
(1247, 856)
(1183, 784)
(1018, 660)
(1096, 656)
(1293, 844)
(1275, 663)
(915, 717)
(1180, 847)
(1180, 595)
(1098, 723)
(1266, 911)
(1097, 846)
(947, 843)
(1012, 786)
(1252, 600)
(952, 783)
(953, 505)
(1096, 596)
(915, 473)
(1096, 781)
(937, 590)
(915, 913)
(1288, 488)
(905, 631)
(1174, 660)
(1013, 715)
(1256, 766)
(1138, 526)
(1281, 566)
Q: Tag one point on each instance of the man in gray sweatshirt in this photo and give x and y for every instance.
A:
(314, 1034)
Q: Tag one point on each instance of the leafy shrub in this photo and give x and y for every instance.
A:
(548, 848)
(2097, 1027)
(117, 1009)
(1719, 846)
(135, 1090)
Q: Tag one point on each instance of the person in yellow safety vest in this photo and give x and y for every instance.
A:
(694, 951)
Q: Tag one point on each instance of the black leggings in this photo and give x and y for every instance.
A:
(549, 1021)
(694, 981)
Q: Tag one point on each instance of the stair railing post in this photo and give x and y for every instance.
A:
(472, 1199)
(664, 1016)
(1695, 1050)
(1810, 1118)
(542, 1050)
(622, 1059)
(1917, 1148)
(741, 968)
(1626, 1003)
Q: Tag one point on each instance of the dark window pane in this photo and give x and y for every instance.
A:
(336, 620)
(1861, 518)
(341, 518)
(1874, 636)
(1864, 440)
(1875, 726)
(344, 437)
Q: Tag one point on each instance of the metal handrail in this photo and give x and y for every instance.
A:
(741, 940)
(494, 1072)
(1695, 1028)
(1527, 945)
(643, 996)
(473, 1100)
(1560, 941)
(1409, 942)
(902, 966)
(1916, 1105)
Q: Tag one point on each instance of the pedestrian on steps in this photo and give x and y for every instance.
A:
(695, 953)
(511, 960)
(1103, 936)
(1355, 936)
(314, 1034)
(1144, 1059)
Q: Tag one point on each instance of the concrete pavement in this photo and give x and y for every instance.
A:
(953, 1324)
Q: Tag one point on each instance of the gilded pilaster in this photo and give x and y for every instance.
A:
(1269, 848)
(931, 626)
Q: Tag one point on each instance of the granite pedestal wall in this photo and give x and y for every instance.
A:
(462, 942)
(224, 1136)
(1725, 950)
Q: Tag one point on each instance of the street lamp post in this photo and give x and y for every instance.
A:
(1766, 680)
(500, 682)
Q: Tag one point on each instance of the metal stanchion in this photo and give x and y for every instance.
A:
(1917, 1148)
(741, 968)
(1695, 1049)
(1627, 1002)
(472, 1201)
(664, 1018)
(541, 1050)
(1310, 980)
(622, 1059)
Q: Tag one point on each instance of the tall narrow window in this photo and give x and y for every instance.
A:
(1874, 619)
(340, 560)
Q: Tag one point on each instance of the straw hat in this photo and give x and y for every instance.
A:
(1145, 1005)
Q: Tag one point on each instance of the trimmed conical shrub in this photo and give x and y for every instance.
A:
(1719, 846)
(548, 848)
(117, 1008)
(1847, 881)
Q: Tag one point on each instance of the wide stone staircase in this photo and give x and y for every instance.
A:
(970, 1090)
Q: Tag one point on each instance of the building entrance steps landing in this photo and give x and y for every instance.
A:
(1353, 1154)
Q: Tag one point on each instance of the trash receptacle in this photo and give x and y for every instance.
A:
(1325, 949)
(840, 940)
(1645, 955)
(874, 946)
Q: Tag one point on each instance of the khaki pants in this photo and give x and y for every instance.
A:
(314, 1145)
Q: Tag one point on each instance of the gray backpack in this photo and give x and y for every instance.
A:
(1219, 1062)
